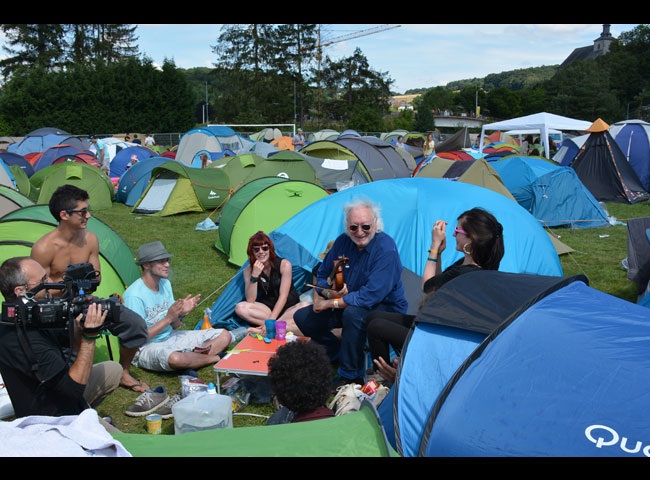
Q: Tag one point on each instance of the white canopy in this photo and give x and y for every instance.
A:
(542, 122)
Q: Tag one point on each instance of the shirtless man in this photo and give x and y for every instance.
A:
(70, 243)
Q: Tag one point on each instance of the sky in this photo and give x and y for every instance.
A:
(413, 55)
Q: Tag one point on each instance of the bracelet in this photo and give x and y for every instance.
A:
(433, 251)
(254, 279)
(336, 303)
(88, 337)
(432, 259)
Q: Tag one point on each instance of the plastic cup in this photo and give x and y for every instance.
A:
(270, 328)
(280, 329)
(154, 423)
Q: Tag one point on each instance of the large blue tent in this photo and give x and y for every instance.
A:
(554, 368)
(410, 207)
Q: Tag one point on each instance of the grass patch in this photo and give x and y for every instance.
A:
(198, 267)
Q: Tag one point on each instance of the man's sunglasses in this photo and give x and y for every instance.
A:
(83, 212)
(264, 248)
(365, 227)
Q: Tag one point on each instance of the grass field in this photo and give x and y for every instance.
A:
(198, 267)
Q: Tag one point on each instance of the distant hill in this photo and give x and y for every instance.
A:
(513, 80)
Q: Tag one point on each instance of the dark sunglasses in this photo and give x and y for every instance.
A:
(264, 248)
(366, 227)
(83, 212)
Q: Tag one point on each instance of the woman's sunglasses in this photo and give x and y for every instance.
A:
(264, 248)
(365, 227)
(460, 230)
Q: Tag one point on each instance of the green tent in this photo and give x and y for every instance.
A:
(331, 150)
(238, 167)
(88, 177)
(176, 188)
(23, 184)
(262, 204)
(11, 200)
(286, 164)
(111, 246)
(355, 434)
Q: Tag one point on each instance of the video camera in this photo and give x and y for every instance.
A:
(79, 281)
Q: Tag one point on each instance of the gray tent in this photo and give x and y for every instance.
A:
(381, 159)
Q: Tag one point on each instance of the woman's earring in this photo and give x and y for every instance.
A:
(465, 248)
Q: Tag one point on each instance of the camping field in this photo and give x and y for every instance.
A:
(198, 267)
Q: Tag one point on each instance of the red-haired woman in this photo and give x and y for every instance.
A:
(269, 289)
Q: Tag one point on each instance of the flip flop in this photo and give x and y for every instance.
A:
(135, 387)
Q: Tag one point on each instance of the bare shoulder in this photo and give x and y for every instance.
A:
(285, 265)
(45, 243)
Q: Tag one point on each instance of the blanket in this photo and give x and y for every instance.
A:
(68, 436)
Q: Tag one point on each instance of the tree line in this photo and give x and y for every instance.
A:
(87, 78)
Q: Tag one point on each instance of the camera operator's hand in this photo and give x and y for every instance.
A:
(94, 316)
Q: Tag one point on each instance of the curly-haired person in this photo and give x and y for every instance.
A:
(300, 376)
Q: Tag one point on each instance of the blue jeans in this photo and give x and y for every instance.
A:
(350, 349)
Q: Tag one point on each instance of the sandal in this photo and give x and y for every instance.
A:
(138, 387)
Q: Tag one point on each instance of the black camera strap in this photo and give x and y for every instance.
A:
(29, 352)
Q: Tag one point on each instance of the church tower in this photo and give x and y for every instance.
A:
(602, 43)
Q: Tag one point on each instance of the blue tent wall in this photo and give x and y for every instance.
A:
(134, 181)
(410, 207)
(449, 326)
(566, 378)
(123, 157)
(632, 136)
(553, 194)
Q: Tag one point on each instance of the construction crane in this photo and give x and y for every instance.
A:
(350, 36)
(319, 47)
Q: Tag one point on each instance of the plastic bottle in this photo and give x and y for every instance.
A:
(206, 319)
(202, 411)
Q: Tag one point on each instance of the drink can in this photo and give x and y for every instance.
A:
(370, 388)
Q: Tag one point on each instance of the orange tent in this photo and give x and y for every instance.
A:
(283, 143)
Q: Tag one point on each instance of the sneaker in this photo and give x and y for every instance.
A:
(340, 381)
(147, 402)
(189, 373)
(346, 399)
(165, 411)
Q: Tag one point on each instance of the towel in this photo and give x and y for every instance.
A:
(68, 436)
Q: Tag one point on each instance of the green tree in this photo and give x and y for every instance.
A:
(57, 46)
(582, 90)
(405, 120)
(33, 45)
(436, 99)
(350, 82)
(503, 103)
(131, 95)
(424, 120)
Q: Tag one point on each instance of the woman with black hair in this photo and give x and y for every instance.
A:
(479, 236)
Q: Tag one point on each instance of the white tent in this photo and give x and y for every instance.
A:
(542, 122)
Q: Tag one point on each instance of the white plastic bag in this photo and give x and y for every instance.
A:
(6, 408)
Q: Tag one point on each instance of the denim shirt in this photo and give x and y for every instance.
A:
(373, 274)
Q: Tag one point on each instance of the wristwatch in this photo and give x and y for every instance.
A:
(254, 279)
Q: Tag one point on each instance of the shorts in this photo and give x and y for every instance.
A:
(155, 355)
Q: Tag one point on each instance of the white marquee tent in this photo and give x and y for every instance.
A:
(542, 122)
